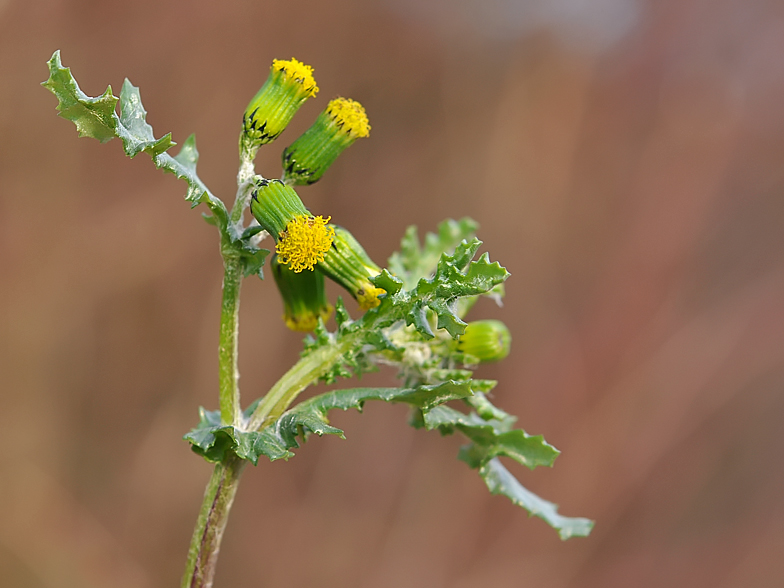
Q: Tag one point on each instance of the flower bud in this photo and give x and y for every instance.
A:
(301, 238)
(335, 129)
(304, 298)
(289, 84)
(487, 340)
(347, 264)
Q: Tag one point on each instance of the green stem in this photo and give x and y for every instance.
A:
(304, 373)
(205, 544)
(228, 372)
(244, 188)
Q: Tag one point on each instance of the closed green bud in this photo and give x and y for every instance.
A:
(301, 239)
(335, 129)
(347, 264)
(289, 84)
(304, 298)
(487, 340)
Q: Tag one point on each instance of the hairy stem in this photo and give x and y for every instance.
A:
(205, 543)
(228, 373)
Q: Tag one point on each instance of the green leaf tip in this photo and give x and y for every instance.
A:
(93, 117)
(492, 438)
(415, 261)
(500, 481)
(98, 118)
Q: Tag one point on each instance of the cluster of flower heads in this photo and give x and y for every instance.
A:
(308, 247)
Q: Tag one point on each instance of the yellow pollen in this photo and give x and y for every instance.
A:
(298, 72)
(350, 116)
(367, 297)
(304, 242)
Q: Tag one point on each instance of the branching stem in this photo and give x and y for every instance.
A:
(304, 373)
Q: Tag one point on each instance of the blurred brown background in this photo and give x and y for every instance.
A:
(626, 162)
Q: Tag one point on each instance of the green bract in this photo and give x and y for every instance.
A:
(304, 297)
(335, 129)
(288, 85)
(349, 265)
(487, 340)
(415, 323)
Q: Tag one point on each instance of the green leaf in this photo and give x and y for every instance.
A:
(97, 118)
(93, 117)
(212, 440)
(500, 481)
(135, 132)
(491, 438)
(417, 316)
(253, 262)
(414, 262)
(311, 416)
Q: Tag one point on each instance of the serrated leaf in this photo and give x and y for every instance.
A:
(447, 317)
(414, 262)
(213, 440)
(484, 408)
(417, 316)
(93, 117)
(456, 276)
(135, 132)
(388, 282)
(342, 317)
(253, 262)
(500, 481)
(97, 118)
(492, 438)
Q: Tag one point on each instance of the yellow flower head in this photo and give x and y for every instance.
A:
(304, 242)
(288, 86)
(298, 72)
(350, 116)
(341, 123)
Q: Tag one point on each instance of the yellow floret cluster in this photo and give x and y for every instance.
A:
(308, 320)
(304, 242)
(298, 72)
(350, 116)
(368, 297)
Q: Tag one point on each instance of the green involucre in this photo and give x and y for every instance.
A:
(304, 297)
(349, 265)
(487, 340)
(274, 205)
(306, 160)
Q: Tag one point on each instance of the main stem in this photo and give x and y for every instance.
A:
(229, 385)
(222, 487)
(207, 535)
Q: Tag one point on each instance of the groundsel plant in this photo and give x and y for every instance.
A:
(413, 309)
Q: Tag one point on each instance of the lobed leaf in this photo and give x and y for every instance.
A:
(500, 481)
(212, 440)
(414, 262)
(491, 438)
(97, 118)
